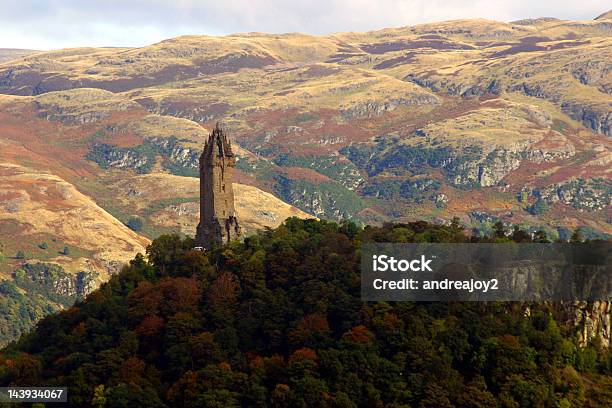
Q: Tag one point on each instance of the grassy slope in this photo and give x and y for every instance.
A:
(307, 96)
(41, 207)
(10, 54)
(56, 196)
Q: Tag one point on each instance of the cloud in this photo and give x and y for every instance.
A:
(47, 24)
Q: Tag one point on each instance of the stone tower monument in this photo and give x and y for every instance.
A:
(218, 223)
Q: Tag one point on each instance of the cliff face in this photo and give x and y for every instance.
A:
(585, 195)
(51, 279)
(549, 280)
(592, 321)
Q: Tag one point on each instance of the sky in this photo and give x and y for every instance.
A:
(52, 24)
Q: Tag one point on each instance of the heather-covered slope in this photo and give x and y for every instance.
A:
(69, 136)
(475, 118)
(483, 120)
(64, 218)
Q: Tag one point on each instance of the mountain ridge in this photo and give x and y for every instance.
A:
(305, 109)
(479, 119)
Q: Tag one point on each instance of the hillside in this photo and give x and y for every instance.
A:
(487, 121)
(43, 216)
(52, 136)
(9, 54)
(63, 217)
(479, 119)
(42, 208)
(171, 203)
(277, 321)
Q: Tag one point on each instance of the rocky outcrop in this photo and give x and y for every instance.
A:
(498, 164)
(85, 283)
(583, 194)
(177, 158)
(549, 280)
(370, 108)
(53, 277)
(197, 112)
(81, 106)
(593, 73)
(107, 156)
(593, 115)
(493, 86)
(501, 161)
(324, 200)
(467, 163)
(112, 267)
(462, 167)
(174, 152)
(51, 280)
(596, 118)
(591, 320)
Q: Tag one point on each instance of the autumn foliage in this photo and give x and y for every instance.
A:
(277, 321)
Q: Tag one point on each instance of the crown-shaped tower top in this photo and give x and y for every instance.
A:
(217, 145)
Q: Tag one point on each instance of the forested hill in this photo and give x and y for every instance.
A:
(277, 321)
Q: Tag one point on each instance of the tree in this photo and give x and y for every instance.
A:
(150, 326)
(539, 208)
(224, 289)
(499, 230)
(99, 400)
(20, 254)
(476, 395)
(25, 370)
(540, 236)
(66, 251)
(166, 252)
(310, 327)
(204, 349)
(131, 370)
(518, 235)
(435, 397)
(456, 224)
(359, 334)
(577, 236)
(278, 320)
(135, 224)
(44, 245)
